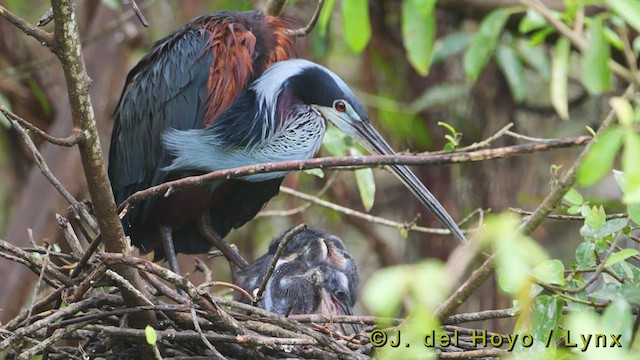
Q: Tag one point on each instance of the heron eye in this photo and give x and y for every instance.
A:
(340, 106)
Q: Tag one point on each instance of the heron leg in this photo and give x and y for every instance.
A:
(170, 252)
(236, 261)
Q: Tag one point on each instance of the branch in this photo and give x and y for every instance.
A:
(351, 161)
(69, 141)
(69, 51)
(43, 37)
(272, 267)
(274, 7)
(312, 22)
(550, 202)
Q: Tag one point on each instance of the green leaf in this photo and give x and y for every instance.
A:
(585, 255)
(512, 68)
(315, 172)
(385, 289)
(550, 272)
(573, 197)
(355, 24)
(3, 120)
(484, 43)
(366, 187)
(449, 45)
(419, 32)
(618, 319)
(623, 110)
(536, 58)
(611, 227)
(438, 95)
(545, 313)
(629, 10)
(559, 76)
(596, 75)
(325, 16)
(634, 212)
(600, 158)
(151, 335)
(335, 141)
(531, 21)
(621, 255)
(631, 167)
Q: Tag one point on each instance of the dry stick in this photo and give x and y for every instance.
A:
(138, 13)
(550, 202)
(9, 250)
(222, 319)
(196, 325)
(352, 161)
(69, 310)
(228, 285)
(69, 50)
(364, 216)
(71, 140)
(36, 288)
(472, 354)
(568, 217)
(49, 341)
(312, 23)
(272, 267)
(290, 324)
(43, 37)
(70, 236)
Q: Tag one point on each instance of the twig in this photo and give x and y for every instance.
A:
(43, 37)
(8, 250)
(567, 217)
(312, 22)
(70, 236)
(36, 288)
(550, 202)
(473, 354)
(480, 316)
(351, 161)
(69, 141)
(216, 354)
(272, 266)
(274, 7)
(370, 218)
(222, 319)
(139, 13)
(304, 206)
(228, 285)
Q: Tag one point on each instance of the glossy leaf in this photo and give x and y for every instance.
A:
(618, 319)
(599, 160)
(621, 255)
(449, 45)
(585, 255)
(531, 21)
(484, 43)
(559, 77)
(151, 335)
(325, 16)
(631, 167)
(573, 197)
(512, 68)
(366, 187)
(535, 57)
(550, 272)
(356, 25)
(419, 32)
(610, 227)
(629, 10)
(596, 75)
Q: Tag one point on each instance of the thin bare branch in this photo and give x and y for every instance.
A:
(351, 161)
(272, 266)
(43, 37)
(69, 141)
(306, 30)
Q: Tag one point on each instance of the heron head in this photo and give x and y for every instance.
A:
(332, 99)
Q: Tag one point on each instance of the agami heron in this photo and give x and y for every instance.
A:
(190, 107)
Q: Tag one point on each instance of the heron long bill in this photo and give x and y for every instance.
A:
(353, 124)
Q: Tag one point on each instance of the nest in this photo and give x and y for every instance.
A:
(85, 316)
